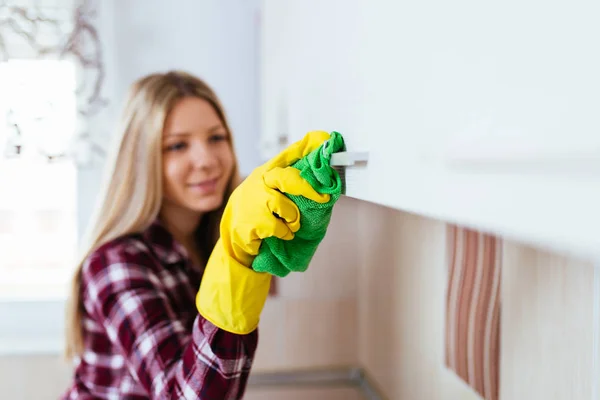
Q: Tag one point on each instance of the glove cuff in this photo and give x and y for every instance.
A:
(231, 295)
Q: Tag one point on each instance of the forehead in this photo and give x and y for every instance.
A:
(191, 114)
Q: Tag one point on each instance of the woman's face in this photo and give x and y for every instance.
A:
(197, 157)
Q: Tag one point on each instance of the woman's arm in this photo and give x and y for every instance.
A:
(122, 292)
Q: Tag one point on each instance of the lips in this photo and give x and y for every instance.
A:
(206, 186)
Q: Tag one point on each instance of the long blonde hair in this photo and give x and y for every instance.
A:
(132, 191)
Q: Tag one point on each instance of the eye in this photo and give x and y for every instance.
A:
(176, 146)
(218, 137)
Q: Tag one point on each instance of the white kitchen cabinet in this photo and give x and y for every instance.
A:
(309, 80)
(324, 81)
(274, 83)
(479, 113)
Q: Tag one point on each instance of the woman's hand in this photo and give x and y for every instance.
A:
(232, 295)
(258, 208)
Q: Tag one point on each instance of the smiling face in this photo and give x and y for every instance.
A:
(198, 160)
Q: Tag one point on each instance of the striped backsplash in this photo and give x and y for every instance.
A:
(473, 309)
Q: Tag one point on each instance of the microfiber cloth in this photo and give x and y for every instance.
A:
(280, 257)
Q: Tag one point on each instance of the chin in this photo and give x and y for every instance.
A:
(207, 205)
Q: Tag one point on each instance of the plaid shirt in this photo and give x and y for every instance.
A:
(144, 338)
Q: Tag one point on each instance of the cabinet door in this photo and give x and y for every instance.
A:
(325, 85)
(486, 114)
(309, 77)
(274, 69)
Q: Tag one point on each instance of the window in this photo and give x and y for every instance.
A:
(38, 214)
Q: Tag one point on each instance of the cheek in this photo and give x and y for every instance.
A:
(173, 172)
(228, 160)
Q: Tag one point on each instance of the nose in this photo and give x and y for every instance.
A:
(203, 156)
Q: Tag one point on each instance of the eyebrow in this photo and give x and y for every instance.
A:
(184, 133)
(217, 127)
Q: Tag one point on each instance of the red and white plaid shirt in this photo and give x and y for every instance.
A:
(144, 338)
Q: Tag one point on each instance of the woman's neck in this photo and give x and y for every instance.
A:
(182, 225)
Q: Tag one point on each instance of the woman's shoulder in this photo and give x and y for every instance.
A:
(119, 256)
(125, 246)
(118, 274)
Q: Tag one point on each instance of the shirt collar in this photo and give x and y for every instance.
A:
(166, 247)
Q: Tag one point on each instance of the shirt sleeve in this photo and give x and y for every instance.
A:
(124, 296)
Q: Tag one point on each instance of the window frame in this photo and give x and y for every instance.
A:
(32, 327)
(32, 324)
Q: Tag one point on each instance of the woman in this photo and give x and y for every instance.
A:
(165, 304)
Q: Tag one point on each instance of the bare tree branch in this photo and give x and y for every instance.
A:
(76, 37)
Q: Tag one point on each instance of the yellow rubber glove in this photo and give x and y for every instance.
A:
(232, 295)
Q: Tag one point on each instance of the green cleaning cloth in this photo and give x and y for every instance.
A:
(280, 257)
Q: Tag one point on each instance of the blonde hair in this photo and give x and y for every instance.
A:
(132, 193)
